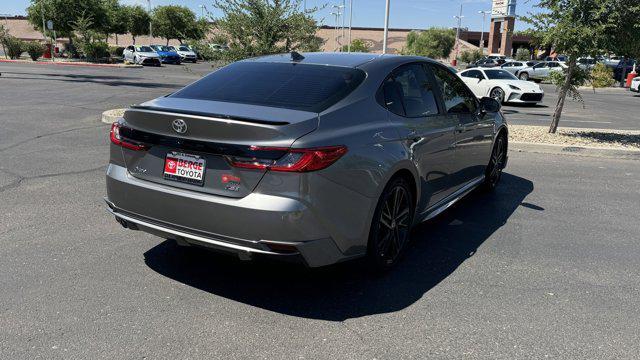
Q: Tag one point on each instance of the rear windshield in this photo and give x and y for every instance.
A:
(284, 85)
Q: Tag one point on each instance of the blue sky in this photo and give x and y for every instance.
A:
(414, 14)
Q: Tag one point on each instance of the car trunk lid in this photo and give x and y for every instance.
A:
(193, 132)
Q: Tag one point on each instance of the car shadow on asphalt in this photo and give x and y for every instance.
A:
(347, 290)
(108, 80)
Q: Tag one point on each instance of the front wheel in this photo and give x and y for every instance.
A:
(497, 94)
(391, 225)
(493, 172)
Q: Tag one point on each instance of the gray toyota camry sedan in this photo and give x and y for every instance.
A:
(315, 157)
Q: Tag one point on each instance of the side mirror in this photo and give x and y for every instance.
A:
(489, 105)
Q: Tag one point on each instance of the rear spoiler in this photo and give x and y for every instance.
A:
(207, 114)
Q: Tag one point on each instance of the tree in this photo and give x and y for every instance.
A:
(260, 27)
(434, 43)
(580, 28)
(357, 45)
(117, 20)
(137, 21)
(174, 22)
(523, 54)
(64, 13)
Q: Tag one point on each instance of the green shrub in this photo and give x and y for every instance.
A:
(34, 49)
(470, 56)
(523, 54)
(96, 50)
(204, 51)
(601, 76)
(14, 46)
(357, 45)
(116, 51)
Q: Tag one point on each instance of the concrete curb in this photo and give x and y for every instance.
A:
(609, 153)
(111, 116)
(69, 63)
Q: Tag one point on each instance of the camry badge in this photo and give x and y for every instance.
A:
(179, 126)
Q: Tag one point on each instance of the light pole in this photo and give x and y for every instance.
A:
(150, 28)
(459, 17)
(339, 12)
(350, 21)
(484, 14)
(335, 28)
(344, 9)
(386, 27)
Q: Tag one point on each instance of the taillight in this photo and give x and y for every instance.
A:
(119, 140)
(294, 160)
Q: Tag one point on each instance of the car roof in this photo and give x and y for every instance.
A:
(340, 58)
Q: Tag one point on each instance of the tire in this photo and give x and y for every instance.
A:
(493, 172)
(523, 76)
(497, 94)
(391, 225)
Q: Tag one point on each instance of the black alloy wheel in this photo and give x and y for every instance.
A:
(496, 163)
(391, 225)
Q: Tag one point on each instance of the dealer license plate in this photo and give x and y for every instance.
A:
(185, 168)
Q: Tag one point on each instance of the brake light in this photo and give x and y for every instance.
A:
(294, 160)
(119, 140)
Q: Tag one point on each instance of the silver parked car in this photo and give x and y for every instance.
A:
(143, 55)
(540, 71)
(515, 66)
(319, 157)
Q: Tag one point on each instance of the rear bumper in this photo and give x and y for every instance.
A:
(247, 226)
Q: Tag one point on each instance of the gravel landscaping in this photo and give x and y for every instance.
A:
(598, 138)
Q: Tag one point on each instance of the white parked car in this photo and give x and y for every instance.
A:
(501, 85)
(143, 55)
(635, 84)
(186, 54)
(540, 71)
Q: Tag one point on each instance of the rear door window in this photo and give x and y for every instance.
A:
(285, 85)
(408, 92)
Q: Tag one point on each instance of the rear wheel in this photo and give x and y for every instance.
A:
(391, 225)
(493, 173)
(524, 76)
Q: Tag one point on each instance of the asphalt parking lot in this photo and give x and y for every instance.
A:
(547, 266)
(610, 108)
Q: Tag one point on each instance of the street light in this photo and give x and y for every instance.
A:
(459, 17)
(484, 14)
(386, 27)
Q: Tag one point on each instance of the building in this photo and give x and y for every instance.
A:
(19, 27)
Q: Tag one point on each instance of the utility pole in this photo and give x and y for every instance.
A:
(150, 27)
(484, 14)
(350, 21)
(386, 27)
(459, 17)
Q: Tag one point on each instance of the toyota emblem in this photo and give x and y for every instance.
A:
(179, 126)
